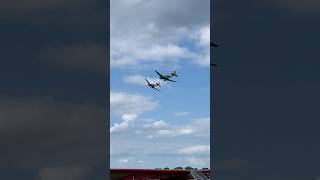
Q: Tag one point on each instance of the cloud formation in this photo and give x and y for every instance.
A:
(139, 40)
(185, 148)
(129, 107)
(195, 149)
(182, 114)
(157, 125)
(140, 80)
(194, 161)
(126, 120)
(126, 103)
(198, 127)
(123, 161)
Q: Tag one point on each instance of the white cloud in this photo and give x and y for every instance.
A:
(129, 107)
(141, 37)
(202, 36)
(195, 161)
(182, 114)
(157, 125)
(159, 53)
(123, 161)
(195, 149)
(153, 53)
(176, 132)
(202, 40)
(140, 162)
(198, 127)
(126, 103)
(127, 119)
(140, 80)
(126, 161)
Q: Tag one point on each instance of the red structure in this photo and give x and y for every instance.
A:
(152, 174)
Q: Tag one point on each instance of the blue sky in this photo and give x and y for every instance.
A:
(169, 128)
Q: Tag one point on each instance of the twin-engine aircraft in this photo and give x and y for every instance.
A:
(153, 86)
(167, 77)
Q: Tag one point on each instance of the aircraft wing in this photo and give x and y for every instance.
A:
(171, 80)
(156, 89)
(159, 74)
(147, 80)
(213, 65)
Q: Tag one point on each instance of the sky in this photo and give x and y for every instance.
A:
(266, 114)
(171, 128)
(53, 90)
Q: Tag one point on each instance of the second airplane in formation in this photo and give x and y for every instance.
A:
(165, 77)
(153, 86)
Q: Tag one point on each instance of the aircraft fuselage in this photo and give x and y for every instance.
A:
(166, 77)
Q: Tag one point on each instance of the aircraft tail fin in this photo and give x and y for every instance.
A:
(174, 73)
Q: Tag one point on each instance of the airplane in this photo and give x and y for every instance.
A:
(213, 44)
(153, 86)
(167, 77)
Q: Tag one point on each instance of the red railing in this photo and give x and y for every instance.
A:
(151, 174)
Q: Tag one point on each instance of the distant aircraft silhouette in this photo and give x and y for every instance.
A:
(153, 86)
(167, 77)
